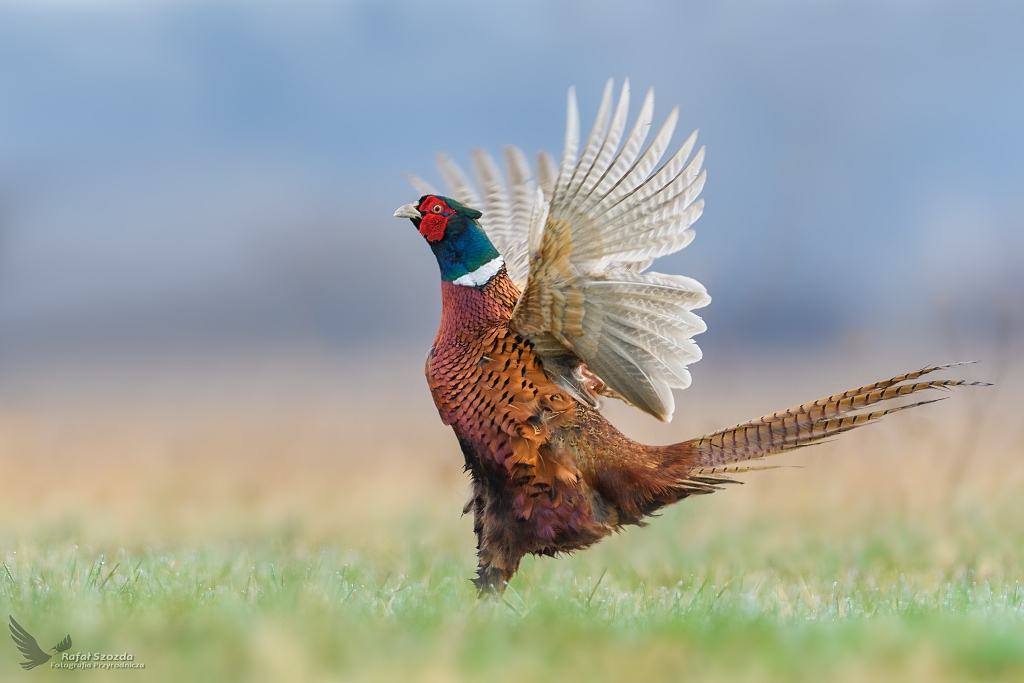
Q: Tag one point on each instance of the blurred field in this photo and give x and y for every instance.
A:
(276, 517)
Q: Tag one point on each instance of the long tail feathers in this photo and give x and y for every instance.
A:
(803, 425)
(710, 479)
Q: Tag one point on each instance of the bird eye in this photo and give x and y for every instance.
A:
(437, 208)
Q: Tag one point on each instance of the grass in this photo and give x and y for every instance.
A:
(313, 549)
(279, 609)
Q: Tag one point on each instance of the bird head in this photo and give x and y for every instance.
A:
(453, 232)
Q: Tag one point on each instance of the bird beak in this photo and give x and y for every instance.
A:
(408, 211)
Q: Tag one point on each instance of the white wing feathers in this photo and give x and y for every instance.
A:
(577, 241)
(547, 173)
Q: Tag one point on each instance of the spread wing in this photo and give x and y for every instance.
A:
(611, 213)
(28, 646)
(576, 241)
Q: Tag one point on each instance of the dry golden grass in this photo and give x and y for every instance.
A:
(207, 451)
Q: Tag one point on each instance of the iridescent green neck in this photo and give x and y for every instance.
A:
(465, 249)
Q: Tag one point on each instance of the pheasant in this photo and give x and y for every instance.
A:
(548, 306)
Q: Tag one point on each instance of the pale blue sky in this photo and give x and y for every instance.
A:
(224, 171)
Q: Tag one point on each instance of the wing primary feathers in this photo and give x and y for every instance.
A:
(547, 174)
(496, 199)
(523, 186)
(627, 155)
(538, 218)
(497, 208)
(647, 161)
(524, 204)
(572, 143)
(671, 180)
(595, 141)
(610, 146)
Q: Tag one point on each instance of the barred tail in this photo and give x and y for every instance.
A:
(803, 425)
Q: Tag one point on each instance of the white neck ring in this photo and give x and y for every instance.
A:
(482, 275)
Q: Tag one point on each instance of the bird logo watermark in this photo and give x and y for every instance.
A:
(36, 656)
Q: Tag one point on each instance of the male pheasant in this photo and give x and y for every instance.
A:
(547, 305)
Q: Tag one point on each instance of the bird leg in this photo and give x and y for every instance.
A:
(492, 580)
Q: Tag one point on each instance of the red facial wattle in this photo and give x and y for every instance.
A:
(435, 218)
(432, 226)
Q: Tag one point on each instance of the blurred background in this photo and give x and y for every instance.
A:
(214, 175)
(196, 202)
(212, 329)
(196, 198)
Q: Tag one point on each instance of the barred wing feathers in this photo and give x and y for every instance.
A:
(610, 215)
(577, 240)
